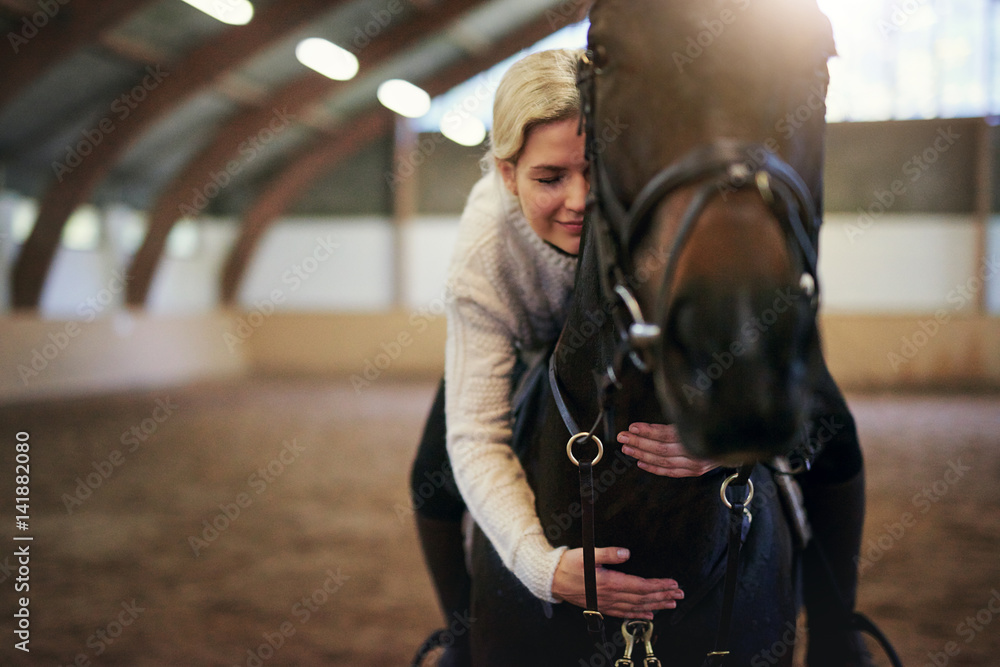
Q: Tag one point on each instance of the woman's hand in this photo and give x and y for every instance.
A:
(659, 451)
(618, 594)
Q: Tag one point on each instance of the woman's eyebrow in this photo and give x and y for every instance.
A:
(547, 167)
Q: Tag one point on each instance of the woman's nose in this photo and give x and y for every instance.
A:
(576, 197)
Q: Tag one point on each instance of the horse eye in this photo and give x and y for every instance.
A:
(598, 56)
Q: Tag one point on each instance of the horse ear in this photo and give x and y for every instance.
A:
(824, 35)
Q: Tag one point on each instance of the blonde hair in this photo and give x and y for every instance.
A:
(540, 88)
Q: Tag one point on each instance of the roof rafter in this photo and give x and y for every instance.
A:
(41, 43)
(182, 195)
(166, 91)
(290, 184)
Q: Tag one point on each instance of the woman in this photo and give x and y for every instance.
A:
(510, 281)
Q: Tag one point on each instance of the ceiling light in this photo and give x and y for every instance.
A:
(327, 58)
(404, 98)
(233, 12)
(469, 131)
(83, 229)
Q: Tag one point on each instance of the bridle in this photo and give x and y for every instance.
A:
(712, 169)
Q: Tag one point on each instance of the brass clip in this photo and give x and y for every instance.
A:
(626, 659)
(642, 631)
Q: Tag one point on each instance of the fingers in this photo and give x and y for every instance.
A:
(618, 594)
(628, 596)
(659, 451)
(661, 432)
(610, 555)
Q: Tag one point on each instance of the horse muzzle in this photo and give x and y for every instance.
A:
(735, 375)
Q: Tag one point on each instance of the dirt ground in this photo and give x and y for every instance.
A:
(266, 522)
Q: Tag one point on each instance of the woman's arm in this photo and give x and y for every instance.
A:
(479, 362)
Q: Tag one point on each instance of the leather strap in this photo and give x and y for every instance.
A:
(595, 621)
(737, 534)
(564, 412)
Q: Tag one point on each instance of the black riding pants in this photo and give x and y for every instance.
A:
(432, 485)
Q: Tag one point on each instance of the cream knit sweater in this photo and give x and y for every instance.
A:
(509, 295)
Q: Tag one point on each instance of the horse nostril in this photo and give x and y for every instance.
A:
(681, 326)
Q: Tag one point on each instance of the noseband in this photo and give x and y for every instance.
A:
(715, 169)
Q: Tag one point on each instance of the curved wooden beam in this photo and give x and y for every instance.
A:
(291, 184)
(162, 92)
(287, 186)
(66, 29)
(186, 195)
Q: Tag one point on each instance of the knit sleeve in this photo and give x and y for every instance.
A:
(479, 362)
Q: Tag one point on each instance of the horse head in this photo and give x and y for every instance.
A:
(706, 141)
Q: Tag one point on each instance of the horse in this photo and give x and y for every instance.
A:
(695, 303)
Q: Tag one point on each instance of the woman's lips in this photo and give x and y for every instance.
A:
(575, 226)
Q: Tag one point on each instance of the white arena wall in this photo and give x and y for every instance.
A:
(908, 303)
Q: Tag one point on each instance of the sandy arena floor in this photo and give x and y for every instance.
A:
(193, 526)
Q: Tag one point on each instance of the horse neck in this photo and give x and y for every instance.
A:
(585, 343)
(586, 348)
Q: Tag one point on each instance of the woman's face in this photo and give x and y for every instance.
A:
(551, 181)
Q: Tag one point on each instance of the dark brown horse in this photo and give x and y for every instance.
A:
(695, 303)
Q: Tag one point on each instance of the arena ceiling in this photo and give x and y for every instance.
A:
(146, 101)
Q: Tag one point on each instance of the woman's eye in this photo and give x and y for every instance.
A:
(549, 181)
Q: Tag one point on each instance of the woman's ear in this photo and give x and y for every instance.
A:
(508, 171)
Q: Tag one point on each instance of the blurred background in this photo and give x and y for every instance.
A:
(224, 227)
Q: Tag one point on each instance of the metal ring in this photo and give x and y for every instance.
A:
(645, 627)
(725, 485)
(579, 436)
(763, 180)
